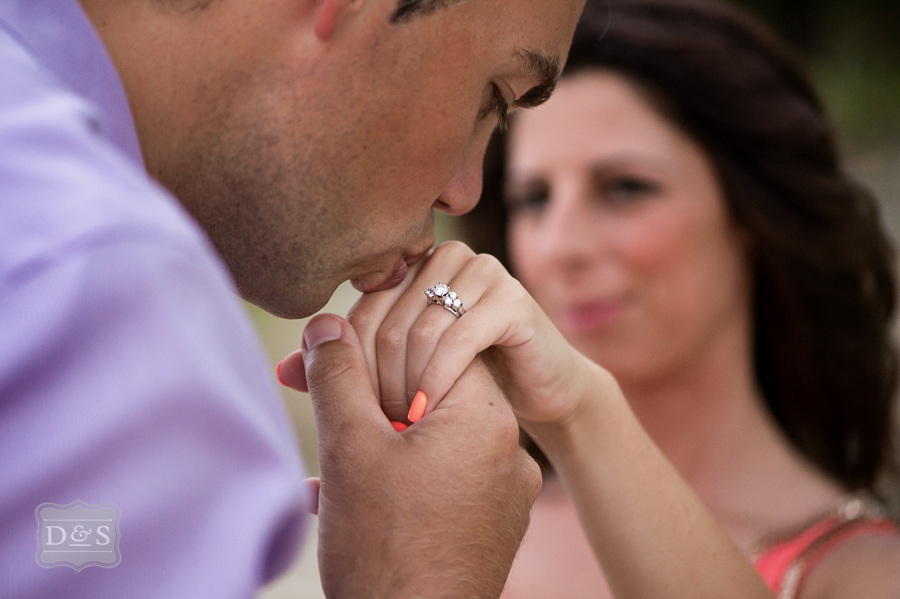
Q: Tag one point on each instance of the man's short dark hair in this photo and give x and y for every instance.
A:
(406, 9)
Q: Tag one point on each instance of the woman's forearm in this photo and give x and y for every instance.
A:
(652, 535)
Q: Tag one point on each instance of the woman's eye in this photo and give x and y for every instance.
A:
(527, 201)
(623, 190)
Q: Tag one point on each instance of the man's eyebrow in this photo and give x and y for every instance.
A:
(546, 68)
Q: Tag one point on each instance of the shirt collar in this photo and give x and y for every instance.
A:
(59, 35)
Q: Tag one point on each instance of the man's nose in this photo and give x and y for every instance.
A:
(463, 191)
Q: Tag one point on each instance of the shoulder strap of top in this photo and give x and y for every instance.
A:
(786, 565)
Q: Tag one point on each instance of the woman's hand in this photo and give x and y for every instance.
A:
(412, 344)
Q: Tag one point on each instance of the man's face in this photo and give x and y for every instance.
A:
(317, 161)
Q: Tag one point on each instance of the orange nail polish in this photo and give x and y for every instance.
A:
(278, 372)
(417, 409)
(399, 426)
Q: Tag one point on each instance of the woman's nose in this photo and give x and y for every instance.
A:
(569, 234)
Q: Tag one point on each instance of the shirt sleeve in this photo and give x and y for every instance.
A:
(129, 375)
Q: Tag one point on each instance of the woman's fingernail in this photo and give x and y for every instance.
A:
(278, 372)
(398, 426)
(417, 408)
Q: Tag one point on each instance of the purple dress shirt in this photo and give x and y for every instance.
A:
(129, 372)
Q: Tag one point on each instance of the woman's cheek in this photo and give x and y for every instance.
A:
(656, 238)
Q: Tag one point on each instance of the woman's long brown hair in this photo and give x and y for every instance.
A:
(824, 287)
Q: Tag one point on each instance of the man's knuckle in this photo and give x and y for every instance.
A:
(508, 433)
(531, 475)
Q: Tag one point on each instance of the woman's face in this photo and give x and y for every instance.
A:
(619, 229)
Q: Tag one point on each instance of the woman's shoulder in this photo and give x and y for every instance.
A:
(866, 566)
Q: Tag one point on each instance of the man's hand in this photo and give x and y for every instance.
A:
(436, 511)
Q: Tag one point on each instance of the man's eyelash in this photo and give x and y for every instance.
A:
(498, 107)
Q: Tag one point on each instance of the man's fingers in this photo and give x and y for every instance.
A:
(338, 379)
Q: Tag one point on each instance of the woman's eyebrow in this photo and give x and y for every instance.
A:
(546, 68)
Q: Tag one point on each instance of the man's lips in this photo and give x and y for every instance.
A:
(371, 285)
(395, 279)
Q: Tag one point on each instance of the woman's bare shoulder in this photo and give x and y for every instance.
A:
(865, 567)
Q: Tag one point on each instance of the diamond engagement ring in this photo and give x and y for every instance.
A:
(442, 295)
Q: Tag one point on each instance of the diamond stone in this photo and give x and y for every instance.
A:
(453, 295)
(441, 290)
(447, 301)
(457, 304)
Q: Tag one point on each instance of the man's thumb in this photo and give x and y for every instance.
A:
(337, 376)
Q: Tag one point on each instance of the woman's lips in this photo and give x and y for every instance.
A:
(591, 315)
(395, 279)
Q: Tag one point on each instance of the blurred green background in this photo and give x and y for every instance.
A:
(852, 50)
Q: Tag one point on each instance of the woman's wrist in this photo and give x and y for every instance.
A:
(597, 402)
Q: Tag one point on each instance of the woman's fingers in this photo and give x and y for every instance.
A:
(423, 338)
(499, 315)
(452, 354)
(368, 314)
(391, 348)
(413, 344)
(413, 315)
(383, 321)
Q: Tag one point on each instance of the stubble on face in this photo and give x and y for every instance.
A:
(260, 194)
(298, 183)
(275, 177)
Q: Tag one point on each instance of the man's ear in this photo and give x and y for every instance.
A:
(329, 15)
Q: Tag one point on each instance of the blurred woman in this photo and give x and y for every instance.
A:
(679, 210)
(680, 214)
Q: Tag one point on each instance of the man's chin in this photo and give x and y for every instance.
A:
(289, 305)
